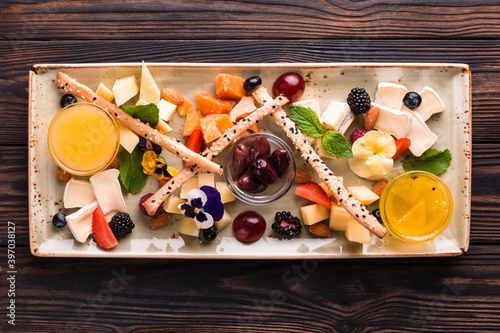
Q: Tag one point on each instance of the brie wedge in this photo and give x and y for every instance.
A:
(421, 137)
(431, 103)
(390, 95)
(108, 191)
(78, 193)
(337, 116)
(80, 222)
(392, 121)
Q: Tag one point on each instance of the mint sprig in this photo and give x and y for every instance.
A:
(131, 173)
(333, 142)
(146, 113)
(432, 160)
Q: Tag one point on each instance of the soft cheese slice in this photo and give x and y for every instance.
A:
(390, 95)
(128, 139)
(167, 109)
(431, 103)
(108, 191)
(80, 222)
(392, 121)
(149, 89)
(337, 116)
(105, 92)
(124, 89)
(309, 103)
(421, 137)
(78, 193)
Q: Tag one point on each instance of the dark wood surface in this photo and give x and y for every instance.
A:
(440, 294)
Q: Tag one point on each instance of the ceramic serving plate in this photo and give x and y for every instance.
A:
(325, 82)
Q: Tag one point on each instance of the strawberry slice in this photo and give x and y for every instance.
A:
(103, 235)
(312, 191)
(402, 145)
(195, 143)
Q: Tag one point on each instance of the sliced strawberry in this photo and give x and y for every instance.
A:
(312, 191)
(402, 145)
(103, 235)
(195, 142)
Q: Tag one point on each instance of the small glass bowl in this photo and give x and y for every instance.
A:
(431, 183)
(273, 191)
(106, 161)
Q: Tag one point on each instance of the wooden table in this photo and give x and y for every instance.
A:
(59, 295)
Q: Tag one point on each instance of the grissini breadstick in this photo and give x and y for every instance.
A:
(70, 85)
(351, 205)
(215, 148)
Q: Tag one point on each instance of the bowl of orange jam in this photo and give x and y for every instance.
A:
(416, 206)
(83, 138)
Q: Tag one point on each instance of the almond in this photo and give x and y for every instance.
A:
(302, 176)
(173, 96)
(371, 118)
(115, 164)
(159, 221)
(63, 175)
(320, 229)
(379, 186)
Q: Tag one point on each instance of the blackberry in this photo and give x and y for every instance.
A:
(145, 145)
(121, 225)
(210, 234)
(359, 101)
(286, 224)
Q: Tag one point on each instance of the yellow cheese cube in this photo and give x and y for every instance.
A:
(188, 186)
(206, 179)
(188, 227)
(225, 193)
(314, 213)
(339, 218)
(355, 232)
(224, 222)
(363, 194)
(171, 204)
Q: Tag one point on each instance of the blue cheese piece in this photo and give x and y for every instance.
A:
(167, 109)
(392, 121)
(149, 89)
(390, 95)
(108, 191)
(78, 193)
(337, 116)
(431, 103)
(128, 139)
(421, 137)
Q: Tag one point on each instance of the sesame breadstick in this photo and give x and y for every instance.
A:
(345, 199)
(70, 85)
(215, 148)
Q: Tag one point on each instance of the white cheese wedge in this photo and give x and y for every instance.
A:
(314, 213)
(78, 193)
(80, 222)
(225, 193)
(309, 103)
(206, 179)
(149, 89)
(355, 232)
(188, 227)
(128, 139)
(167, 109)
(421, 137)
(188, 186)
(392, 121)
(224, 222)
(172, 203)
(337, 116)
(124, 89)
(108, 191)
(431, 103)
(364, 195)
(339, 218)
(390, 95)
(105, 92)
(141, 102)
(163, 126)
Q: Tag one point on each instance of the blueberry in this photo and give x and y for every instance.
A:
(210, 234)
(59, 220)
(376, 213)
(67, 100)
(251, 83)
(412, 100)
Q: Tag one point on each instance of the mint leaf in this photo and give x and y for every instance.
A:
(307, 121)
(433, 161)
(146, 113)
(335, 143)
(131, 174)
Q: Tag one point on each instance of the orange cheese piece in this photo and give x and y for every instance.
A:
(192, 123)
(228, 86)
(185, 108)
(214, 126)
(209, 104)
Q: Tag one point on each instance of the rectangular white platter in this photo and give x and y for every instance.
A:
(326, 82)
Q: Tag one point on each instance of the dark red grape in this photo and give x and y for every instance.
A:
(291, 85)
(249, 226)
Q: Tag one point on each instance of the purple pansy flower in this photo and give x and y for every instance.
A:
(204, 206)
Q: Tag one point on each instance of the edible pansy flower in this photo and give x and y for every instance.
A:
(204, 205)
(156, 166)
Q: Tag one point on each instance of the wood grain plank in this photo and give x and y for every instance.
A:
(393, 295)
(54, 20)
(483, 56)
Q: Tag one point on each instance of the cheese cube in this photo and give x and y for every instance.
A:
(108, 191)
(224, 222)
(314, 213)
(128, 139)
(337, 116)
(188, 186)
(149, 89)
(188, 227)
(206, 179)
(172, 203)
(339, 218)
(390, 95)
(78, 193)
(355, 232)
(124, 89)
(167, 109)
(105, 92)
(318, 148)
(163, 126)
(225, 193)
(363, 194)
(313, 104)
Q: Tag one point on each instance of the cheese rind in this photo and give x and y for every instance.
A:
(78, 193)
(167, 109)
(128, 139)
(108, 191)
(80, 222)
(390, 95)
(393, 121)
(431, 103)
(149, 89)
(420, 135)
(124, 89)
